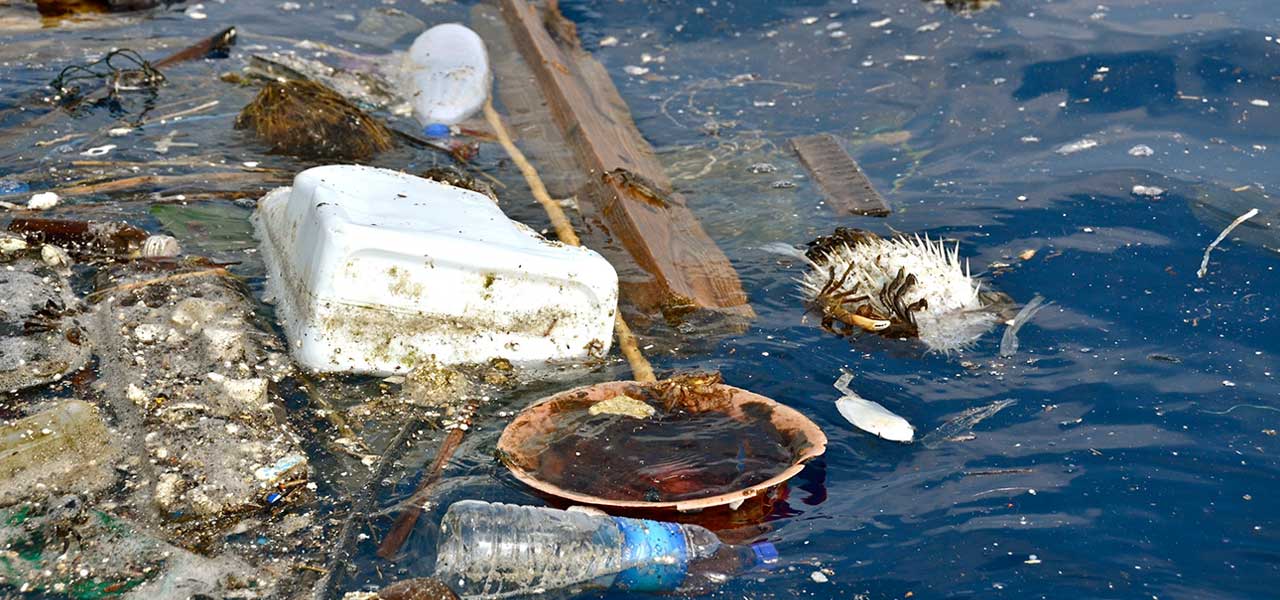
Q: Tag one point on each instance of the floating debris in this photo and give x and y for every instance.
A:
(624, 406)
(1141, 150)
(963, 423)
(870, 416)
(1009, 342)
(43, 201)
(307, 119)
(1076, 146)
(1204, 263)
(1149, 191)
(904, 287)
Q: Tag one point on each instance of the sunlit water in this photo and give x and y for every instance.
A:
(1140, 457)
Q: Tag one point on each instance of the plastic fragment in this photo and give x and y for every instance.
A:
(160, 246)
(1009, 342)
(1204, 263)
(869, 416)
(43, 201)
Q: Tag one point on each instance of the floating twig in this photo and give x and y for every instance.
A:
(141, 181)
(413, 507)
(133, 285)
(1204, 263)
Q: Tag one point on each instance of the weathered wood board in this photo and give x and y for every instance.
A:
(848, 191)
(626, 191)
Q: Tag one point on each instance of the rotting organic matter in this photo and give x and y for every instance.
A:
(903, 287)
(308, 120)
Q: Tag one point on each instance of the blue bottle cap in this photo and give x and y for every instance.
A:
(765, 553)
(658, 550)
(437, 130)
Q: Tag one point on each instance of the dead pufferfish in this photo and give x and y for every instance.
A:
(902, 287)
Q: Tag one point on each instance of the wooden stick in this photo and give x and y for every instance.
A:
(640, 367)
(142, 181)
(414, 505)
(133, 285)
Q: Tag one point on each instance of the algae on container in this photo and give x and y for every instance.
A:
(374, 270)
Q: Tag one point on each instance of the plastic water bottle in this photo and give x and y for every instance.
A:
(499, 550)
(448, 76)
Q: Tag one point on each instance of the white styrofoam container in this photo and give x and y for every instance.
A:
(373, 271)
(447, 74)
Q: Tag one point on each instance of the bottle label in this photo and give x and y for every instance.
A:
(658, 551)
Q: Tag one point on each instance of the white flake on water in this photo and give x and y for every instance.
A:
(1141, 150)
(1150, 191)
(1076, 146)
(1260, 102)
(881, 23)
(42, 201)
(635, 71)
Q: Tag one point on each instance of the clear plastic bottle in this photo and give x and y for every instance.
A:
(500, 550)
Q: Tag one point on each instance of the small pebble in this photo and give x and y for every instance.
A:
(609, 42)
(818, 577)
(1141, 150)
(783, 184)
(635, 71)
(196, 12)
(1259, 102)
(809, 20)
(290, 6)
(762, 167)
(881, 23)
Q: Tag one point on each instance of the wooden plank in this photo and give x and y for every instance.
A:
(848, 191)
(626, 187)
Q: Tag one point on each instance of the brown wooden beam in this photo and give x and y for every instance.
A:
(626, 188)
(848, 191)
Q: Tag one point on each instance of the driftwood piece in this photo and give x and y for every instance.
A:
(689, 271)
(848, 191)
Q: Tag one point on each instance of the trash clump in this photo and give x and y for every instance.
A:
(41, 339)
(190, 383)
(62, 449)
(306, 119)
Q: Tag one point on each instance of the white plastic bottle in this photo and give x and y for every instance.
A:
(447, 75)
(500, 550)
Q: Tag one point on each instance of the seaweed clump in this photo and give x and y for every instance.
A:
(308, 120)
